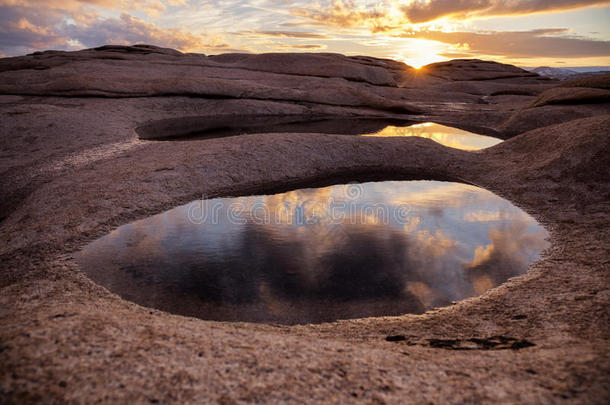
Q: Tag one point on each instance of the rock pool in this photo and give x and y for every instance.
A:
(319, 254)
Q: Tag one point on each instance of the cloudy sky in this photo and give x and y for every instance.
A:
(523, 32)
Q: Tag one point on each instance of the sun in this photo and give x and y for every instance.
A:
(419, 52)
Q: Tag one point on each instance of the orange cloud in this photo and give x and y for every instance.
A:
(345, 13)
(17, 29)
(382, 18)
(151, 7)
(128, 30)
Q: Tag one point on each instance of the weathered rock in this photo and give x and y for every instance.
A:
(361, 69)
(475, 69)
(323, 81)
(572, 95)
(144, 73)
(73, 168)
(597, 81)
(491, 88)
(138, 49)
(525, 118)
(48, 59)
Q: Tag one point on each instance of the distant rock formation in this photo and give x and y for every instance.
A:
(563, 73)
(555, 73)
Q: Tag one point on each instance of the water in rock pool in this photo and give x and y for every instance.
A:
(448, 136)
(221, 127)
(319, 254)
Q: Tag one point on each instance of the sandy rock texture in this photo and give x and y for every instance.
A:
(73, 168)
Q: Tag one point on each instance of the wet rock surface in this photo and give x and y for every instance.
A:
(491, 343)
(73, 168)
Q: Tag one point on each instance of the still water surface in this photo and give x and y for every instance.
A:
(218, 127)
(319, 254)
(448, 136)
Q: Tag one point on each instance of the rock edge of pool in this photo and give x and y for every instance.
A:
(73, 169)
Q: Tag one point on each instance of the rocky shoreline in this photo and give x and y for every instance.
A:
(74, 168)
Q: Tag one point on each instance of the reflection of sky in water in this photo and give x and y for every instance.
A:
(448, 136)
(313, 255)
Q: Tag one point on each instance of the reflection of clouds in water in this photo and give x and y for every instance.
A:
(435, 244)
(457, 241)
(426, 295)
(411, 224)
(483, 216)
(361, 264)
(448, 136)
(379, 203)
(429, 194)
(285, 207)
(513, 246)
(263, 270)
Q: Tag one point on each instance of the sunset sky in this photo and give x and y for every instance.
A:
(522, 32)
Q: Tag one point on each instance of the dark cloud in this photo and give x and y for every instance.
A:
(74, 7)
(345, 13)
(518, 44)
(284, 34)
(299, 24)
(456, 55)
(299, 46)
(22, 29)
(501, 7)
(129, 30)
(420, 11)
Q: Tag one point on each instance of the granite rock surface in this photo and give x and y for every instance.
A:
(73, 167)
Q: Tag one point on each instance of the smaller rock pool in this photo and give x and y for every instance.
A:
(447, 136)
(188, 129)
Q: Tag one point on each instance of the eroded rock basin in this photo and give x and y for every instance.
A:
(319, 254)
